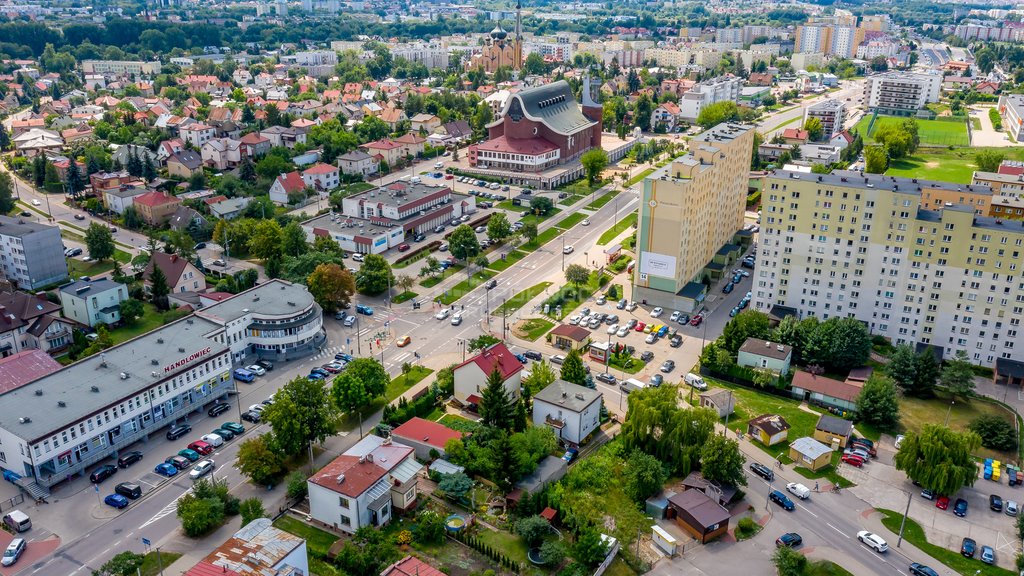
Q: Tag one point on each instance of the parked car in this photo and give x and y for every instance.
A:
(696, 320)
(116, 500)
(960, 507)
(165, 469)
(640, 326)
(14, 551)
(202, 469)
(201, 446)
(1010, 508)
(928, 494)
(251, 416)
(967, 547)
(129, 490)
(676, 341)
(782, 500)
(942, 503)
(227, 435)
(651, 338)
(790, 539)
(177, 431)
(872, 541)
(762, 471)
(988, 555)
(853, 460)
(218, 409)
(918, 569)
(102, 473)
(570, 455)
(606, 378)
(668, 366)
(234, 427)
(647, 356)
(995, 503)
(533, 355)
(179, 462)
(129, 458)
(658, 311)
(189, 454)
(557, 359)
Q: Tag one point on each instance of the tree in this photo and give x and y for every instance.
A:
(123, 564)
(644, 476)
(552, 552)
(534, 64)
(158, 288)
(590, 549)
(878, 402)
(594, 162)
(251, 509)
(657, 425)
(879, 64)
(131, 310)
(530, 231)
(246, 170)
(902, 368)
(199, 515)
(815, 129)
(497, 408)
(927, 372)
(541, 205)
(532, 529)
(573, 369)
(940, 459)
(498, 227)
(721, 461)
(332, 286)
(302, 413)
(789, 562)
(99, 241)
(996, 432)
(577, 274)
(989, 160)
(5, 138)
(371, 373)
(540, 377)
(348, 393)
(430, 527)
(6, 193)
(405, 282)
(374, 275)
(266, 240)
(898, 139)
(839, 343)
(717, 113)
(260, 460)
(875, 160)
(455, 485)
(293, 240)
(73, 180)
(481, 342)
(746, 324)
(958, 376)
(463, 243)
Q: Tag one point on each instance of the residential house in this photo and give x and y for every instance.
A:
(699, 515)
(285, 184)
(425, 123)
(282, 136)
(185, 218)
(456, 130)
(184, 164)
(322, 177)
(30, 322)
(229, 208)
(769, 429)
(425, 436)
(156, 208)
(833, 431)
(411, 566)
(168, 148)
(222, 153)
(182, 275)
(93, 302)
(365, 485)
(37, 141)
(198, 134)
(412, 144)
(720, 400)
(722, 493)
(764, 355)
(810, 453)
(665, 116)
(62, 165)
(256, 549)
(78, 133)
(103, 181)
(387, 150)
(567, 337)
(792, 136)
(393, 117)
(825, 391)
(121, 156)
(471, 376)
(572, 411)
(118, 200)
(358, 162)
(255, 144)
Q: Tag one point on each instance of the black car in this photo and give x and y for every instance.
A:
(265, 364)
(762, 471)
(129, 458)
(968, 547)
(747, 263)
(790, 539)
(492, 284)
(102, 473)
(199, 246)
(606, 378)
(251, 416)
(782, 500)
(647, 356)
(419, 238)
(676, 341)
(684, 318)
(129, 490)
(995, 503)
(532, 355)
(668, 366)
(177, 431)
(218, 409)
(918, 569)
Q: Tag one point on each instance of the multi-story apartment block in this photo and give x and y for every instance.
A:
(690, 215)
(831, 39)
(901, 93)
(32, 254)
(832, 114)
(432, 55)
(706, 93)
(1011, 108)
(135, 68)
(866, 246)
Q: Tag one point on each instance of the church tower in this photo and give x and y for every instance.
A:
(517, 63)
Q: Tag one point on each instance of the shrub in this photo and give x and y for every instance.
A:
(297, 485)
(746, 527)
(996, 433)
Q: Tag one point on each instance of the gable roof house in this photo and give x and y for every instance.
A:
(256, 549)
(831, 430)
(825, 391)
(182, 275)
(184, 164)
(764, 355)
(185, 217)
(156, 208)
(222, 153)
(424, 436)
(471, 375)
(770, 429)
(284, 185)
(30, 322)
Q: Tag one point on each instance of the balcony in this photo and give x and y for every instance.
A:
(556, 423)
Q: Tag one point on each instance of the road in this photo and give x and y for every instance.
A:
(849, 93)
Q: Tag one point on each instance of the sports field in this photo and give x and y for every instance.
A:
(932, 132)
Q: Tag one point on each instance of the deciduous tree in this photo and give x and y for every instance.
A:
(878, 402)
(463, 243)
(374, 275)
(594, 162)
(839, 343)
(293, 239)
(259, 460)
(815, 129)
(122, 564)
(251, 509)
(99, 241)
(577, 275)
(958, 376)
(331, 286)
(266, 240)
(348, 393)
(989, 160)
(131, 310)
(657, 425)
(940, 459)
(721, 461)
(645, 476)
(746, 324)
(498, 227)
(532, 529)
(876, 161)
(302, 413)
(371, 373)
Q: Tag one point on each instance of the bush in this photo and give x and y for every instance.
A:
(997, 122)
(996, 433)
(297, 485)
(251, 509)
(746, 527)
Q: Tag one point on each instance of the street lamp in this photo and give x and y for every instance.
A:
(948, 410)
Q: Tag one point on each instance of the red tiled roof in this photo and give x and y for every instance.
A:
(795, 133)
(384, 144)
(253, 138)
(410, 138)
(24, 367)
(426, 432)
(156, 199)
(474, 399)
(320, 168)
(826, 386)
(358, 476)
(571, 332)
(671, 108)
(204, 568)
(495, 355)
(291, 182)
(411, 566)
(526, 146)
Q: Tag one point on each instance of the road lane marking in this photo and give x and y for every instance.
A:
(829, 524)
(807, 510)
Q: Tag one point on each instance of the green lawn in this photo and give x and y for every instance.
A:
(826, 568)
(508, 205)
(404, 297)
(466, 286)
(510, 259)
(639, 177)
(915, 413)
(538, 219)
(510, 545)
(610, 234)
(399, 384)
(534, 328)
(151, 320)
(77, 268)
(432, 281)
(454, 421)
(618, 567)
(600, 202)
(541, 239)
(943, 164)
(571, 220)
(151, 565)
(932, 132)
(516, 302)
(581, 188)
(318, 541)
(570, 297)
(419, 256)
(914, 534)
(570, 200)
(630, 365)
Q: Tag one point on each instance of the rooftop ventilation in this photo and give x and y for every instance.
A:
(154, 374)
(95, 388)
(124, 375)
(159, 340)
(154, 362)
(39, 391)
(62, 404)
(181, 349)
(340, 479)
(24, 419)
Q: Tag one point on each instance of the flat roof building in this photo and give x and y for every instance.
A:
(32, 254)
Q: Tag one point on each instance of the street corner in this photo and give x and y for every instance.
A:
(34, 552)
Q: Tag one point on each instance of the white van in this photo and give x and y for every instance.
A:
(457, 319)
(438, 165)
(18, 521)
(695, 381)
(213, 440)
(632, 385)
(799, 490)
(415, 180)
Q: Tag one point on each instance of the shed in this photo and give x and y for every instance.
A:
(656, 506)
(549, 471)
(663, 540)
(442, 466)
(723, 493)
(833, 431)
(810, 453)
(770, 429)
(699, 515)
(566, 336)
(720, 400)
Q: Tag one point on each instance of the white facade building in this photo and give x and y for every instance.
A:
(719, 89)
(572, 411)
(901, 93)
(93, 302)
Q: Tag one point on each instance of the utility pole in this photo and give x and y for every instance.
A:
(727, 414)
(504, 317)
(903, 522)
(563, 253)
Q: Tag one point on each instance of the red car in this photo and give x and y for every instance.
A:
(403, 247)
(201, 447)
(640, 326)
(853, 460)
(942, 502)
(449, 177)
(696, 320)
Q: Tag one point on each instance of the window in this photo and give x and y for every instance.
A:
(345, 520)
(342, 501)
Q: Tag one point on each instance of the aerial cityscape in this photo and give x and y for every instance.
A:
(422, 288)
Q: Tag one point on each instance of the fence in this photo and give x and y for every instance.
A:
(11, 503)
(607, 560)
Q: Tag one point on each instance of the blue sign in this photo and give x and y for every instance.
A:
(380, 241)
(348, 341)
(97, 487)
(146, 542)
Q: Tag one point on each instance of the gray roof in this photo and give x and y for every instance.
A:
(550, 469)
(187, 158)
(856, 179)
(86, 289)
(127, 192)
(722, 132)
(829, 423)
(810, 447)
(230, 205)
(356, 155)
(554, 105)
(826, 105)
(273, 295)
(568, 395)
(765, 348)
(19, 227)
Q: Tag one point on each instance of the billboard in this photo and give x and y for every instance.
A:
(655, 264)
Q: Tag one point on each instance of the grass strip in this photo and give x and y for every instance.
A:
(513, 304)
(466, 286)
(621, 226)
(600, 202)
(914, 534)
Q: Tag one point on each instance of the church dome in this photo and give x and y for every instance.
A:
(498, 33)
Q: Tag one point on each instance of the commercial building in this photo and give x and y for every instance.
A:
(572, 411)
(690, 217)
(129, 67)
(901, 93)
(1011, 108)
(93, 302)
(65, 422)
(832, 114)
(32, 254)
(867, 246)
(720, 89)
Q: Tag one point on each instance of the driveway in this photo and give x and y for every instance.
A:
(988, 136)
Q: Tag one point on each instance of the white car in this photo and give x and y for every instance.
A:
(613, 328)
(257, 408)
(256, 369)
(36, 202)
(357, 257)
(574, 320)
(631, 306)
(899, 440)
(799, 490)
(443, 247)
(675, 316)
(872, 541)
(443, 314)
(651, 338)
(623, 331)
(567, 250)
(657, 312)
(202, 468)
(586, 222)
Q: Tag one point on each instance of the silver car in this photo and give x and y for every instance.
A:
(201, 469)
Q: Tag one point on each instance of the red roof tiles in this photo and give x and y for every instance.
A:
(426, 432)
(496, 355)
